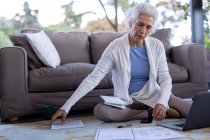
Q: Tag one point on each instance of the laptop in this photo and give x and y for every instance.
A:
(198, 117)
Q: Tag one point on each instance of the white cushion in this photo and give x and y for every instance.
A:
(44, 48)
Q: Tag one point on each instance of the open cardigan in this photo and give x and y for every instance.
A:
(116, 58)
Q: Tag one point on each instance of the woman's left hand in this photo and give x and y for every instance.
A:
(159, 112)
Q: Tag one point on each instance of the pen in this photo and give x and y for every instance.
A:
(125, 125)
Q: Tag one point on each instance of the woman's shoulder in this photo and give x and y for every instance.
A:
(154, 40)
(155, 45)
(117, 44)
(120, 41)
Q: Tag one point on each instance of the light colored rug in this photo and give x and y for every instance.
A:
(41, 130)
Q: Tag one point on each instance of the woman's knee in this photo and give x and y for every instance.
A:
(104, 112)
(97, 109)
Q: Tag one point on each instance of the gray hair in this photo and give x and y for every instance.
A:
(133, 13)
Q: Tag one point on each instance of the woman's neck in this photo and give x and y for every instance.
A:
(134, 43)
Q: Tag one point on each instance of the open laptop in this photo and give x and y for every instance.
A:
(198, 117)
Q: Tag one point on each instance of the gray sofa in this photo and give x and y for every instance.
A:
(27, 85)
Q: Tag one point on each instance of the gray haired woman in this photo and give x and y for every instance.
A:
(140, 73)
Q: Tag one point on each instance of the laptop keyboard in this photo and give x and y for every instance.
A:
(180, 124)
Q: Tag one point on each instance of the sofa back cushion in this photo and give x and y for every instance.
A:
(164, 35)
(100, 40)
(44, 48)
(71, 46)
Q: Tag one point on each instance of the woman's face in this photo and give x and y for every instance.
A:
(141, 28)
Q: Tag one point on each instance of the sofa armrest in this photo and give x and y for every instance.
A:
(13, 71)
(192, 57)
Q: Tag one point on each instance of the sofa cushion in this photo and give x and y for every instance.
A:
(44, 48)
(178, 73)
(100, 40)
(66, 43)
(21, 41)
(72, 46)
(65, 77)
(164, 35)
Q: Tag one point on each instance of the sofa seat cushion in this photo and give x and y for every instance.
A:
(64, 77)
(178, 73)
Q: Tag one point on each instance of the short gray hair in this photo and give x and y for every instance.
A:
(133, 13)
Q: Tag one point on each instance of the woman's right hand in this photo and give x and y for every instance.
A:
(59, 113)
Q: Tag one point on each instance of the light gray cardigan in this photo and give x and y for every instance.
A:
(116, 58)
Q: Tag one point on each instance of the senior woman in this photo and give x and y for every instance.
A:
(140, 73)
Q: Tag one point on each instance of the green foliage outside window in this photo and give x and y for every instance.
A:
(4, 40)
(207, 42)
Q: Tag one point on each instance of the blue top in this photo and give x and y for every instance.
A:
(139, 68)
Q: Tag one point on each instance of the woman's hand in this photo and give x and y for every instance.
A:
(159, 112)
(60, 113)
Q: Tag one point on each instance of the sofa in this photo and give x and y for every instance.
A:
(27, 85)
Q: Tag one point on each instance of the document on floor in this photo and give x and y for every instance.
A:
(68, 124)
(144, 133)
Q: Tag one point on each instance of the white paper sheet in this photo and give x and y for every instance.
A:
(145, 133)
(114, 133)
(68, 124)
(155, 133)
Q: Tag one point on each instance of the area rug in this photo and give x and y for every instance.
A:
(40, 130)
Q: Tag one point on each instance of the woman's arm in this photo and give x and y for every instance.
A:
(102, 68)
(164, 78)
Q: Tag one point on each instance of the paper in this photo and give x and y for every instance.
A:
(155, 133)
(68, 124)
(114, 133)
(145, 133)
